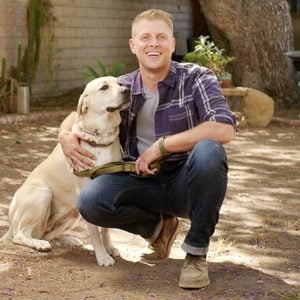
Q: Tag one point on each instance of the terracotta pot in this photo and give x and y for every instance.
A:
(225, 80)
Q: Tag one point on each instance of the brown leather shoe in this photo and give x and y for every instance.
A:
(194, 274)
(163, 244)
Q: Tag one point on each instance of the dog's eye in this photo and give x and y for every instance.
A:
(111, 109)
(104, 87)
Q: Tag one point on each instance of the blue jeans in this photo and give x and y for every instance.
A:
(194, 190)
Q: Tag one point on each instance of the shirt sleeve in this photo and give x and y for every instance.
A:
(211, 104)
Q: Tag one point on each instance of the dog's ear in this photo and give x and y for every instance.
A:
(82, 106)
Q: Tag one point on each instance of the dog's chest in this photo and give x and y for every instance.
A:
(106, 154)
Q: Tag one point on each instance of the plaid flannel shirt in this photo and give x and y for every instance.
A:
(188, 96)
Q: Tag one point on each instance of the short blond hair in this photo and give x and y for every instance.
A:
(152, 14)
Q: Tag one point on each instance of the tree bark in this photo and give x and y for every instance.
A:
(257, 33)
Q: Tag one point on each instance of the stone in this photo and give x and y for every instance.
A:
(257, 107)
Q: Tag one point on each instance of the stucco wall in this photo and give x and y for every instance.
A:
(12, 28)
(86, 30)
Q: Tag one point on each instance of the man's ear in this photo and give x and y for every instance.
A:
(132, 45)
(174, 45)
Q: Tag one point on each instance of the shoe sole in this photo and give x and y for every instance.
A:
(194, 284)
(169, 246)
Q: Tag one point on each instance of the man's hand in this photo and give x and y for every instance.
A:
(152, 154)
(77, 156)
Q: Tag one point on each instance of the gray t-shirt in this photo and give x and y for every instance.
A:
(145, 121)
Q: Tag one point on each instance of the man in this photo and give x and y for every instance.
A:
(179, 117)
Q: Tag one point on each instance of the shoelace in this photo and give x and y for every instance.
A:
(198, 261)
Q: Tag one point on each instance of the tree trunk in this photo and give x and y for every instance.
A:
(257, 33)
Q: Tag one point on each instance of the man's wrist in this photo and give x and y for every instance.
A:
(163, 151)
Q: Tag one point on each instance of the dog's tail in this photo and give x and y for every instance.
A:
(7, 236)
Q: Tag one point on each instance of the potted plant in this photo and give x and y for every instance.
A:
(90, 73)
(14, 93)
(207, 54)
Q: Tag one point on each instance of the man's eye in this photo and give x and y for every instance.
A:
(104, 87)
(161, 37)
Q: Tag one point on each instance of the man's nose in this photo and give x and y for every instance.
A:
(154, 41)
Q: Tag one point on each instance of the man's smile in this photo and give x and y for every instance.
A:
(153, 53)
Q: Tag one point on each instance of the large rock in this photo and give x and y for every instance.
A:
(258, 108)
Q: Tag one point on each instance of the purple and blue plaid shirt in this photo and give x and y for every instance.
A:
(188, 96)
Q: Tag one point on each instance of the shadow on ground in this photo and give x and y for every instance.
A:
(254, 253)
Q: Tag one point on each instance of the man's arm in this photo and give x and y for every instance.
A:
(185, 141)
(76, 155)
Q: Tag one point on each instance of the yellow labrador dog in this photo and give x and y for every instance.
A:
(44, 207)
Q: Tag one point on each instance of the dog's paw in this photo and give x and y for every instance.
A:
(105, 260)
(114, 252)
(42, 246)
(39, 245)
(72, 241)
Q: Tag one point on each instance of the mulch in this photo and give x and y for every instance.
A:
(31, 117)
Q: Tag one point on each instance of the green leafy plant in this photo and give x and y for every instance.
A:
(3, 87)
(90, 73)
(40, 26)
(8, 86)
(40, 23)
(207, 54)
(34, 20)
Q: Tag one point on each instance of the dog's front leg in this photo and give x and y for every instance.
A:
(103, 258)
(110, 248)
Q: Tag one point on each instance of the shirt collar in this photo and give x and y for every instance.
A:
(170, 80)
(137, 88)
(171, 77)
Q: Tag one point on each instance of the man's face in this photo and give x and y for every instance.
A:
(153, 44)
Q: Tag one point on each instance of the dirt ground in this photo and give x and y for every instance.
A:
(254, 253)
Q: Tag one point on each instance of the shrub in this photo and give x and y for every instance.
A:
(90, 73)
(207, 54)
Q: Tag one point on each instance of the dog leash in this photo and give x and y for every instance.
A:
(114, 167)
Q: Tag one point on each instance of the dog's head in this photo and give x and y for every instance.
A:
(102, 96)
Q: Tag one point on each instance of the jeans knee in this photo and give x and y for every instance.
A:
(208, 156)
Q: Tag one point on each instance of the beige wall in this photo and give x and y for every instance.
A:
(12, 28)
(86, 30)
